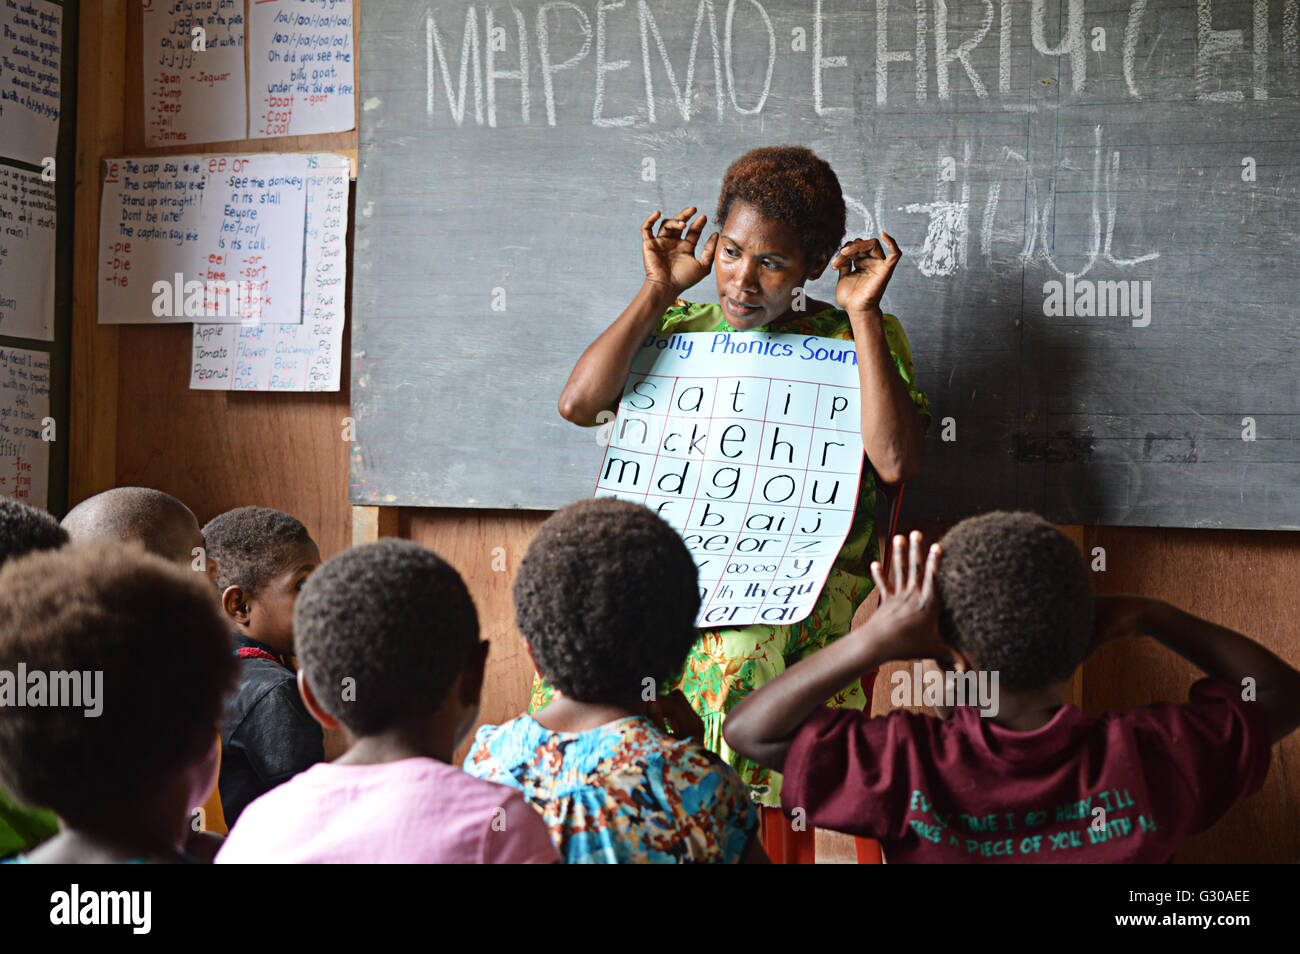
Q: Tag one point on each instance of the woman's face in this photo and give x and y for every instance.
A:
(759, 264)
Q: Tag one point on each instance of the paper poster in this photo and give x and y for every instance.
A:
(302, 75)
(27, 245)
(214, 238)
(302, 357)
(194, 80)
(251, 226)
(31, 45)
(750, 446)
(24, 425)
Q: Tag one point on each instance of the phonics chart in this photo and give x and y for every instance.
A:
(750, 445)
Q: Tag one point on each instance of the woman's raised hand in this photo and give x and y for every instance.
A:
(864, 270)
(670, 256)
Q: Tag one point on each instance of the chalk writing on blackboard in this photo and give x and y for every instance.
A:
(476, 61)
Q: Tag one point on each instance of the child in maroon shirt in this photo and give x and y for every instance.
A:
(1022, 778)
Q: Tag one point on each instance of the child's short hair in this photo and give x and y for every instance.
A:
(153, 630)
(1015, 594)
(792, 185)
(251, 545)
(25, 529)
(606, 597)
(393, 617)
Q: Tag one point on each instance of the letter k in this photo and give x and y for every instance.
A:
(696, 440)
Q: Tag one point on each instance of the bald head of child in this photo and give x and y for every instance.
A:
(160, 522)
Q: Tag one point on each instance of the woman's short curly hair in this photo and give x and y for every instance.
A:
(1015, 594)
(792, 185)
(606, 597)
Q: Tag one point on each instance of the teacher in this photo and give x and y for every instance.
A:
(782, 218)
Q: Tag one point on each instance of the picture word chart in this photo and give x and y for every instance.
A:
(750, 446)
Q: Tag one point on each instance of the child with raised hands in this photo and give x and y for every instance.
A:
(1006, 602)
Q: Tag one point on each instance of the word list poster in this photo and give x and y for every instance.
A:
(750, 446)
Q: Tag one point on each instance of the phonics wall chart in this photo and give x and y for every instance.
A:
(38, 40)
(299, 81)
(291, 357)
(1096, 204)
(751, 447)
(26, 429)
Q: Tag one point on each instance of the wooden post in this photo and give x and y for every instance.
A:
(101, 84)
(371, 523)
(1074, 688)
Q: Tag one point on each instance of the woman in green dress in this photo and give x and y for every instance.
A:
(782, 218)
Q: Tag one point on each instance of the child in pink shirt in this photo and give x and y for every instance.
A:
(388, 648)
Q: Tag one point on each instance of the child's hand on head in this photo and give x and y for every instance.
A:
(1118, 617)
(906, 623)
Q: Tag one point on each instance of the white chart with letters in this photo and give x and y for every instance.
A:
(750, 446)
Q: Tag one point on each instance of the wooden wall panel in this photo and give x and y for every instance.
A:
(135, 421)
(215, 449)
(486, 547)
(92, 428)
(1247, 580)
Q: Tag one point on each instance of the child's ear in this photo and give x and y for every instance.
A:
(235, 602)
(471, 677)
(313, 706)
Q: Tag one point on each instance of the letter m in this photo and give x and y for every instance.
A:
(636, 472)
(65, 688)
(1116, 298)
(223, 294)
(469, 51)
(117, 902)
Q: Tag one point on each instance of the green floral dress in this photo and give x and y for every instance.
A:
(725, 665)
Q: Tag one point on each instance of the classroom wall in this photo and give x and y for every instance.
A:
(135, 421)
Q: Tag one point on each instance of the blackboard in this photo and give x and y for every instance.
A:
(1128, 146)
